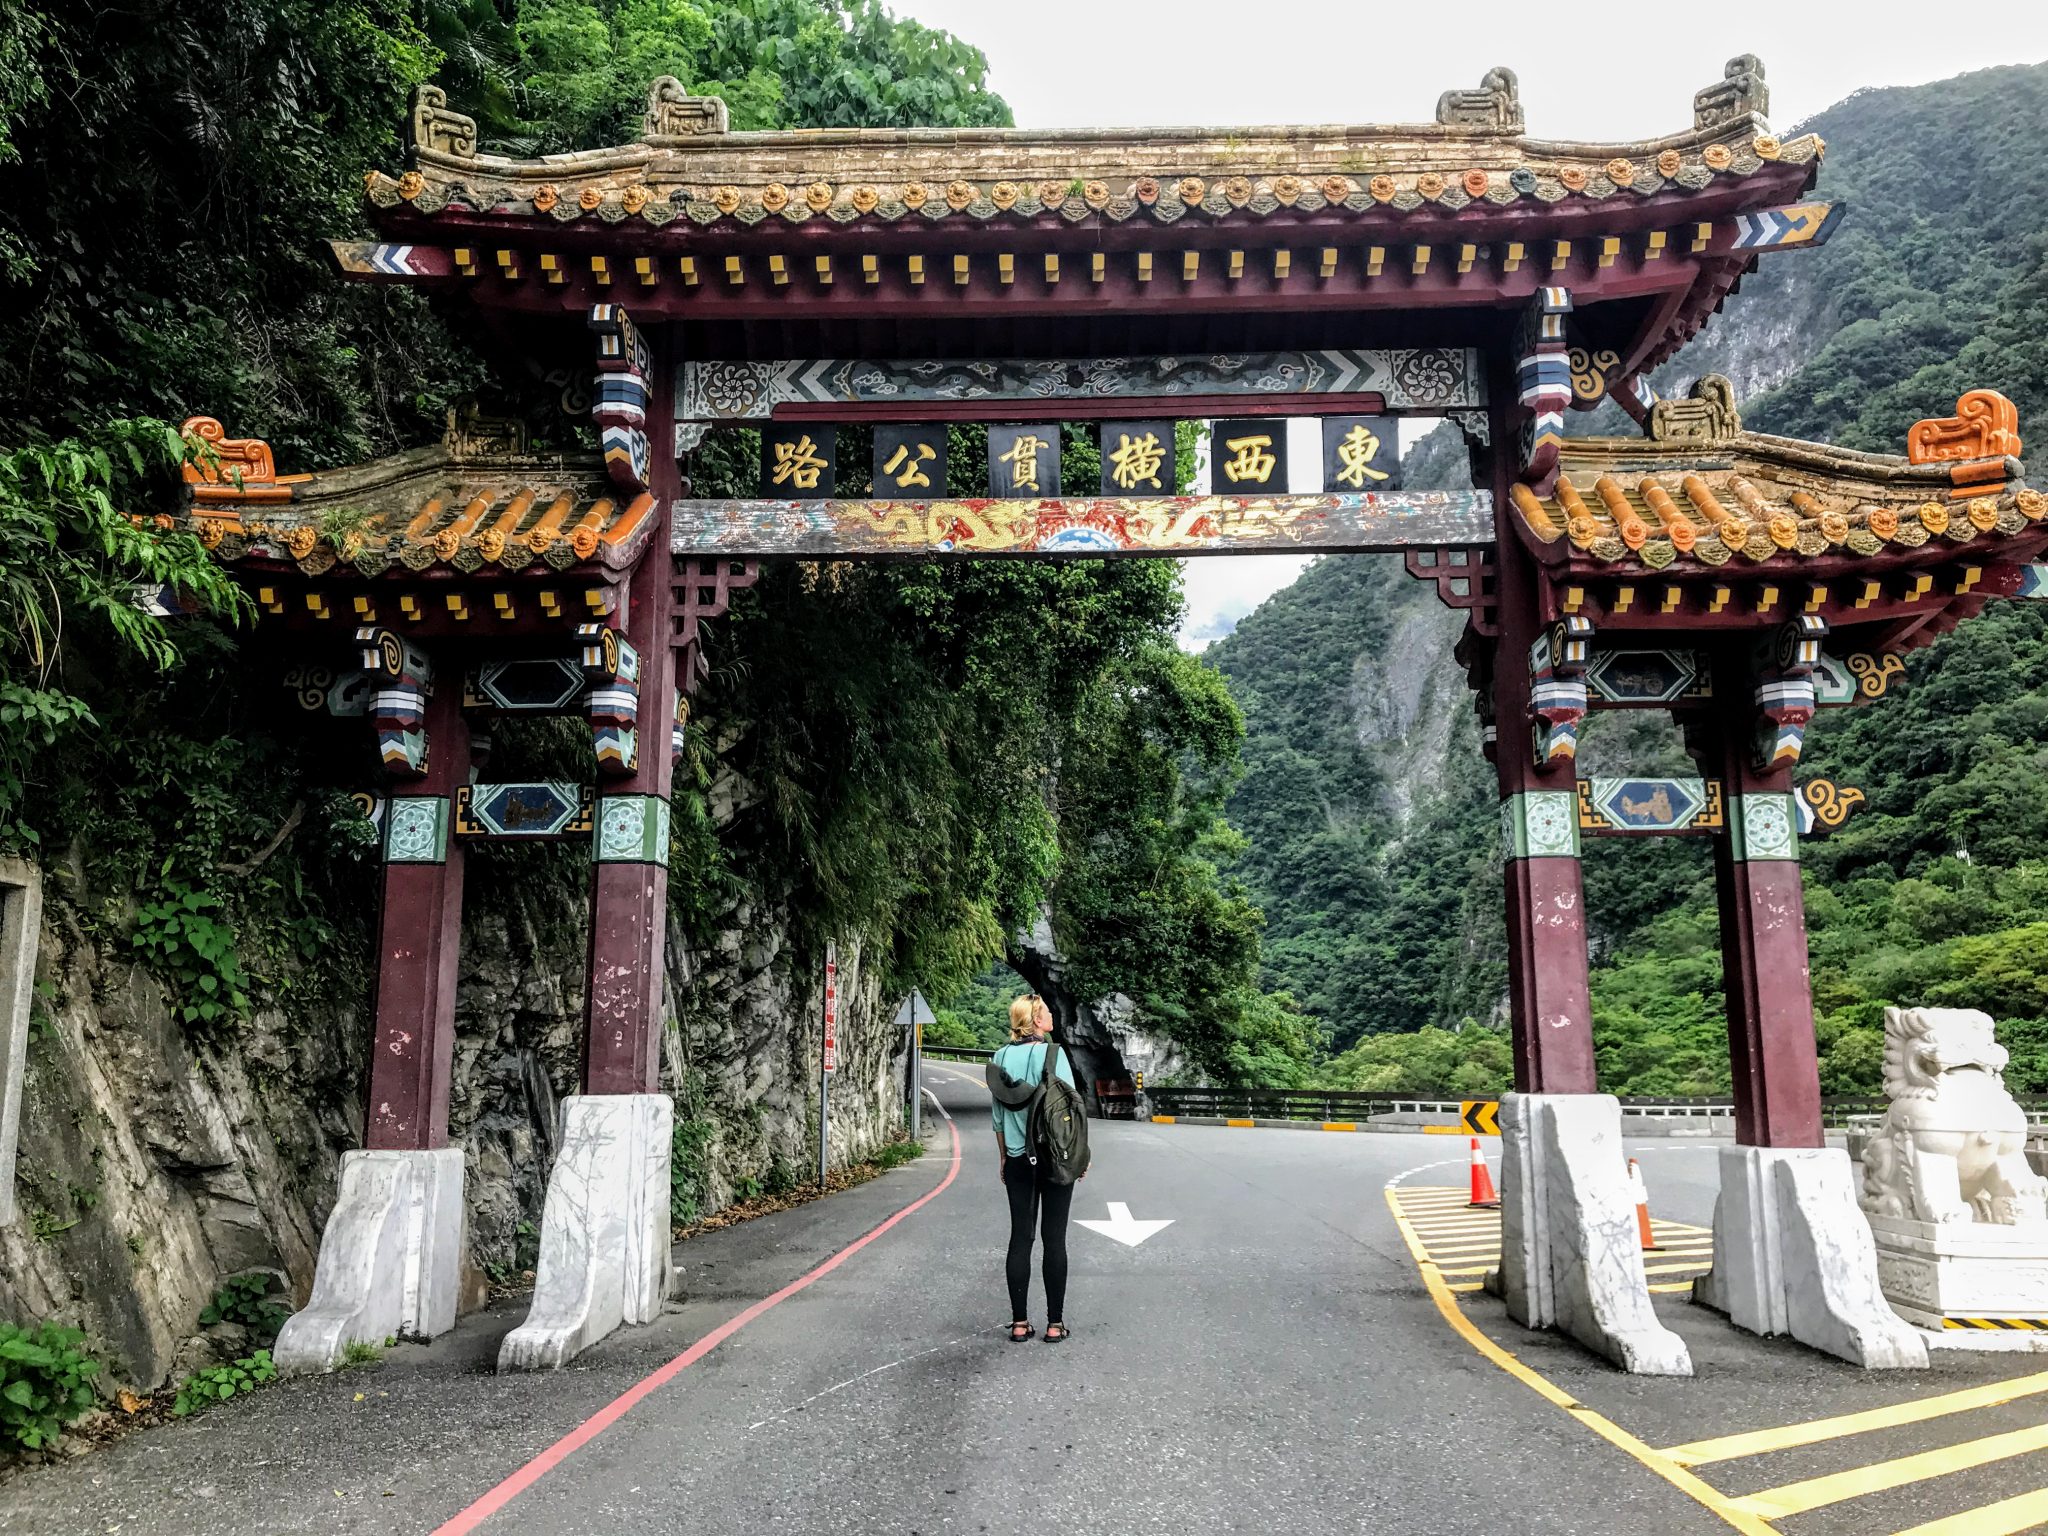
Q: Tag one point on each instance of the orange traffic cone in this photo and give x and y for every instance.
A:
(1642, 1194)
(1482, 1179)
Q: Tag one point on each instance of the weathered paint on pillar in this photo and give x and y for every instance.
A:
(1764, 969)
(629, 881)
(1548, 992)
(419, 934)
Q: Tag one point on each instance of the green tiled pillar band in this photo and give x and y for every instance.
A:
(416, 829)
(1763, 826)
(631, 829)
(1540, 824)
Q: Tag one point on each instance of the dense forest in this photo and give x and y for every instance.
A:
(1381, 903)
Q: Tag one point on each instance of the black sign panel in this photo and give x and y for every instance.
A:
(1248, 458)
(910, 462)
(798, 460)
(1360, 453)
(1137, 458)
(1024, 461)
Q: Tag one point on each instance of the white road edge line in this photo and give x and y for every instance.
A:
(784, 1413)
(937, 1105)
(1403, 1177)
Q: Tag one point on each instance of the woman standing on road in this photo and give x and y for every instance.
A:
(1027, 1183)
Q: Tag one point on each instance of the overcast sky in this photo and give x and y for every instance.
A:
(1588, 71)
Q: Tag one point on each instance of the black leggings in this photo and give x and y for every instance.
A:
(1054, 1201)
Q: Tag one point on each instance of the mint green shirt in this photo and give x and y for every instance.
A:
(1023, 1062)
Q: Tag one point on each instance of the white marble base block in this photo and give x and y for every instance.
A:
(390, 1259)
(1932, 1271)
(604, 1237)
(1793, 1255)
(1571, 1258)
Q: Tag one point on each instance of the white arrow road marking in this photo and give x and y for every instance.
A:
(1124, 1227)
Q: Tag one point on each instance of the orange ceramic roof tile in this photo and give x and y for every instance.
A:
(394, 514)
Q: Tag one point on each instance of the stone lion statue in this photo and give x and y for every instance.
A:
(1953, 1146)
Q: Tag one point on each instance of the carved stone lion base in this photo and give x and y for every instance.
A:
(1933, 1272)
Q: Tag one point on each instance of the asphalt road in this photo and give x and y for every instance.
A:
(1269, 1362)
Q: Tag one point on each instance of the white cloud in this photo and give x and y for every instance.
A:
(1221, 589)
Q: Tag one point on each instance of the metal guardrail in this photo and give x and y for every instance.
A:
(959, 1052)
(1837, 1112)
(1292, 1103)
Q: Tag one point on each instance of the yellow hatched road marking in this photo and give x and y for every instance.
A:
(2001, 1519)
(1479, 1269)
(1677, 1269)
(1453, 1314)
(1814, 1492)
(1682, 1287)
(1755, 1442)
(1464, 1214)
(1479, 1221)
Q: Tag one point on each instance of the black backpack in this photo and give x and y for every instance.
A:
(1058, 1134)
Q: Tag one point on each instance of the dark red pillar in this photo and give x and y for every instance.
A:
(1764, 970)
(419, 935)
(1548, 993)
(629, 884)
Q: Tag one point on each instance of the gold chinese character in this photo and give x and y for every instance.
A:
(798, 464)
(1023, 461)
(903, 466)
(1355, 451)
(1249, 460)
(1136, 460)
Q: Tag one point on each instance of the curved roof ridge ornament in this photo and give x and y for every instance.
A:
(1739, 93)
(1707, 415)
(1986, 425)
(436, 130)
(673, 113)
(1496, 105)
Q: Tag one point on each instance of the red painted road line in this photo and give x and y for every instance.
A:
(621, 1405)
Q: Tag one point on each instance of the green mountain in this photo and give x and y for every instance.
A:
(1368, 809)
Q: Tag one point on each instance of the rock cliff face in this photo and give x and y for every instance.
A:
(1101, 1033)
(156, 1162)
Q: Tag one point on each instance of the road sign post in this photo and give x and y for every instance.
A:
(913, 1016)
(828, 1056)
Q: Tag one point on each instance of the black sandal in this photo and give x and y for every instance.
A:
(1027, 1334)
(1065, 1333)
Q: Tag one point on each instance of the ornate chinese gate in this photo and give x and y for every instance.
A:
(1113, 283)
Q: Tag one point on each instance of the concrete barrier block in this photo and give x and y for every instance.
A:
(604, 1240)
(390, 1259)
